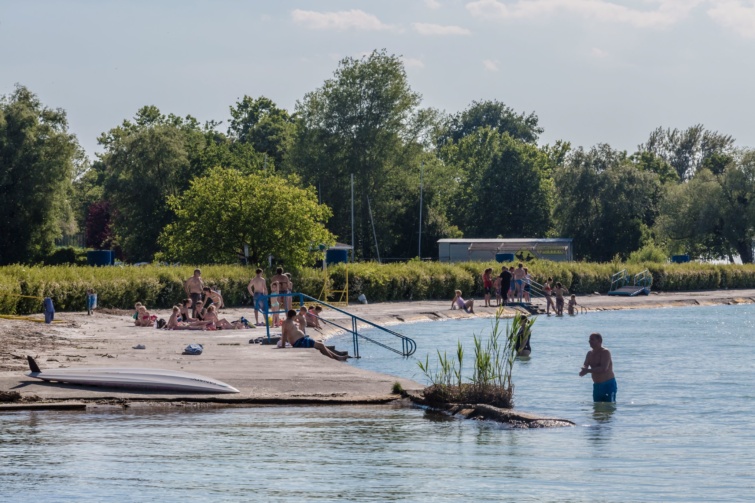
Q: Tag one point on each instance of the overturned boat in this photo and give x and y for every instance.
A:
(135, 379)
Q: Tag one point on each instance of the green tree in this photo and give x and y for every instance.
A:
(261, 124)
(713, 215)
(605, 203)
(364, 121)
(689, 150)
(495, 115)
(225, 210)
(504, 186)
(38, 158)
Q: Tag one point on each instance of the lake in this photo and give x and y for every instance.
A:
(680, 431)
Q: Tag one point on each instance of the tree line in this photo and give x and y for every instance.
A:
(270, 181)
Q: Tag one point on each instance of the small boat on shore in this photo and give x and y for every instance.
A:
(138, 379)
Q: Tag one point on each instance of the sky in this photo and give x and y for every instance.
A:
(593, 71)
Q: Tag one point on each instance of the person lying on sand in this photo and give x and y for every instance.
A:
(292, 335)
(174, 324)
(222, 323)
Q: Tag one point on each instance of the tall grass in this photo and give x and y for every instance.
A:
(492, 368)
(162, 286)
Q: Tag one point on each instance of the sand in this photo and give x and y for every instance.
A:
(262, 373)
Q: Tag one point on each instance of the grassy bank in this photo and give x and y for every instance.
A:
(162, 286)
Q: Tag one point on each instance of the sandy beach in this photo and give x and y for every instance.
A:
(262, 373)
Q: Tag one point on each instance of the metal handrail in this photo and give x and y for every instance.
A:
(621, 279)
(408, 346)
(644, 279)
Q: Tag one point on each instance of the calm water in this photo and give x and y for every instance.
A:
(680, 432)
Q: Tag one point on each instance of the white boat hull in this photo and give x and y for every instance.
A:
(134, 378)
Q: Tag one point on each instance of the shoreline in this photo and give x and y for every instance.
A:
(263, 374)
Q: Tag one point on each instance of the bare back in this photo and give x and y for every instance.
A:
(258, 285)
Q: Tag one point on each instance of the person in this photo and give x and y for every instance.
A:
(275, 303)
(258, 289)
(519, 275)
(318, 313)
(571, 308)
(199, 312)
(487, 285)
(523, 337)
(512, 285)
(292, 335)
(301, 319)
(460, 303)
(559, 292)
(598, 362)
(185, 311)
(174, 324)
(220, 323)
(144, 318)
(547, 291)
(527, 284)
(282, 280)
(136, 310)
(212, 298)
(497, 288)
(289, 290)
(313, 320)
(505, 284)
(193, 287)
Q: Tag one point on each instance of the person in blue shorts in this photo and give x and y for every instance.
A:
(291, 334)
(598, 362)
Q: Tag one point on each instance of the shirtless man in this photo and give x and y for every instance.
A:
(283, 286)
(519, 275)
(292, 335)
(193, 287)
(257, 288)
(598, 363)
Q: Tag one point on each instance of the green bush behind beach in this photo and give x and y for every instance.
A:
(162, 286)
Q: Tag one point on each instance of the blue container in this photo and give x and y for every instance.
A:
(680, 259)
(504, 257)
(336, 256)
(100, 257)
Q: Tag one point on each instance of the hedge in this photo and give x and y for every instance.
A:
(162, 286)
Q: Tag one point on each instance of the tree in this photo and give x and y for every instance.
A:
(504, 186)
(364, 121)
(37, 162)
(495, 115)
(605, 203)
(225, 210)
(713, 215)
(261, 124)
(688, 150)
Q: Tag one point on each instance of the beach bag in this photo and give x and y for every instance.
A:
(161, 323)
(193, 349)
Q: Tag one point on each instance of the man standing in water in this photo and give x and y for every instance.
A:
(598, 363)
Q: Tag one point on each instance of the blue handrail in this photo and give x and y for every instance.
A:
(408, 346)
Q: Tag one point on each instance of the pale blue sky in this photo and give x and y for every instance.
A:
(593, 70)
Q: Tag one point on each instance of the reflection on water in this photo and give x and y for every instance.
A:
(680, 432)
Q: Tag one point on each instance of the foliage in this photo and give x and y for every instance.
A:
(66, 255)
(99, 233)
(492, 368)
(225, 210)
(648, 253)
(606, 204)
(494, 115)
(261, 124)
(504, 186)
(38, 158)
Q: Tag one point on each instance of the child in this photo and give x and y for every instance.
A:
(548, 299)
(185, 313)
(572, 307)
(312, 320)
(275, 302)
(559, 292)
(497, 286)
(460, 303)
(527, 285)
(136, 310)
(318, 313)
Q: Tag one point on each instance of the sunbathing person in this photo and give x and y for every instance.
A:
(185, 309)
(174, 324)
(460, 303)
(292, 335)
(212, 317)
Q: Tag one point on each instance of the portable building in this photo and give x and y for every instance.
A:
(483, 250)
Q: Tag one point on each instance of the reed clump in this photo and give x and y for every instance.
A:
(491, 370)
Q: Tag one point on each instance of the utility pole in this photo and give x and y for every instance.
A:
(353, 249)
(421, 173)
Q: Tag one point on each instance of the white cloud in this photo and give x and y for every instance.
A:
(666, 12)
(413, 63)
(598, 53)
(341, 20)
(735, 15)
(439, 29)
(490, 65)
(432, 4)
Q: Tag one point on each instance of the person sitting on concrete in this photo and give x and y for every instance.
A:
(313, 321)
(292, 335)
(460, 303)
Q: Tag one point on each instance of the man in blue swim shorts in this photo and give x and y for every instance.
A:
(291, 334)
(598, 362)
(257, 288)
